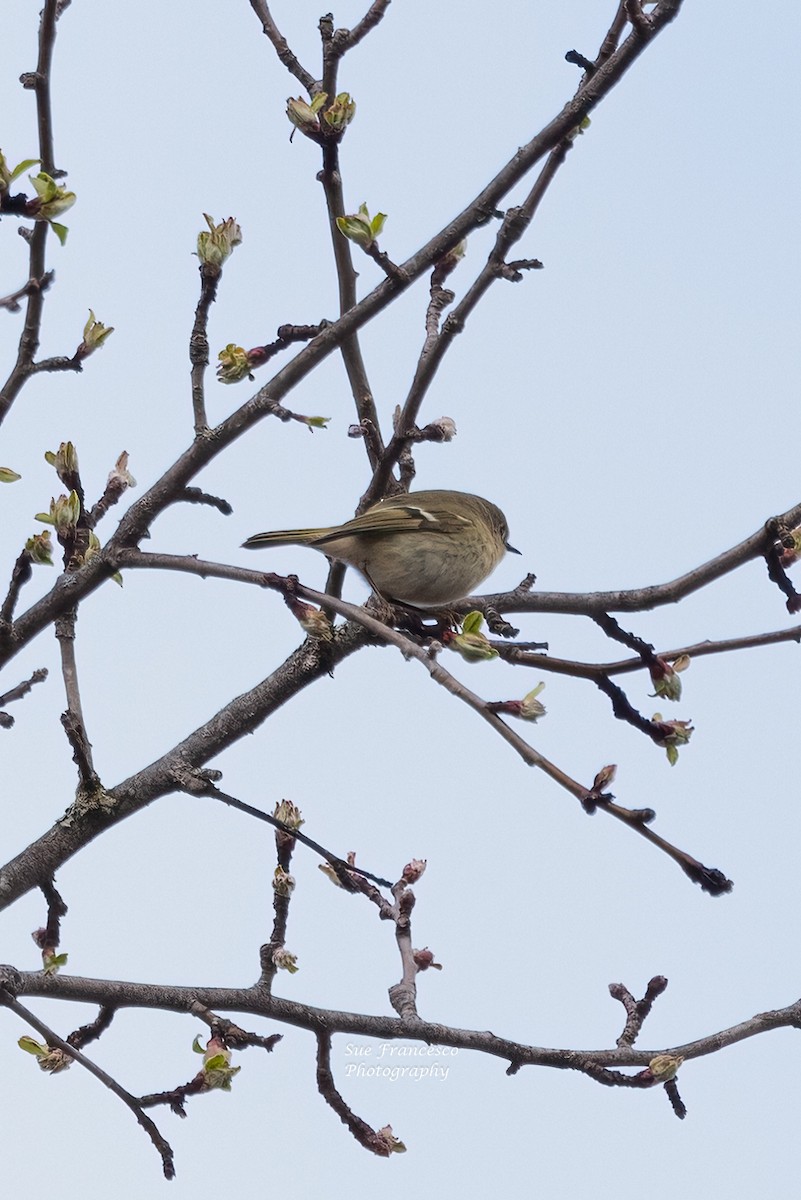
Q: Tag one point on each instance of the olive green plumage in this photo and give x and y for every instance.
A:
(424, 548)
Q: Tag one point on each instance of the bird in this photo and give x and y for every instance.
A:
(426, 549)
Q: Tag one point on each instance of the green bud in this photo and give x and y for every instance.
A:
(8, 476)
(389, 1143)
(53, 200)
(94, 335)
(7, 176)
(341, 113)
(93, 549)
(40, 549)
(304, 116)
(217, 1070)
(218, 1075)
(665, 677)
(285, 961)
(361, 228)
(674, 735)
(664, 1067)
(531, 709)
(49, 1058)
(52, 963)
(471, 643)
(473, 647)
(64, 460)
(288, 813)
(283, 882)
(31, 1046)
(217, 244)
(579, 129)
(234, 364)
(64, 513)
(472, 622)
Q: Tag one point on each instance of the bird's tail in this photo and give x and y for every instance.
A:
(282, 537)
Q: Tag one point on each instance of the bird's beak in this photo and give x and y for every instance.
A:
(511, 549)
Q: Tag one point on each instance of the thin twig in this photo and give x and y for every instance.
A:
(236, 1037)
(346, 39)
(199, 346)
(56, 909)
(645, 598)
(90, 1032)
(342, 868)
(282, 894)
(709, 878)
(585, 670)
(364, 1134)
(636, 1010)
(436, 344)
(52, 1039)
(12, 301)
(22, 689)
(640, 23)
(73, 719)
(349, 348)
(29, 339)
(286, 56)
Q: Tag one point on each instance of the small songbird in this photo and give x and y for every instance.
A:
(426, 548)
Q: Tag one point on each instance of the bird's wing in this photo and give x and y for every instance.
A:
(398, 518)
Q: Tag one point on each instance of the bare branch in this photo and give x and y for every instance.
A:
(346, 39)
(73, 719)
(645, 598)
(286, 56)
(29, 340)
(11, 302)
(21, 689)
(636, 1010)
(343, 869)
(53, 1040)
(364, 1134)
(199, 346)
(49, 938)
(331, 178)
(255, 1001)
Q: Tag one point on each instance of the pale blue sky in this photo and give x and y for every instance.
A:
(633, 408)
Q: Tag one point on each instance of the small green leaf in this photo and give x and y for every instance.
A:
(30, 1046)
(25, 165)
(472, 622)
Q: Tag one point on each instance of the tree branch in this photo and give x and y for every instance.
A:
(255, 1001)
(52, 1039)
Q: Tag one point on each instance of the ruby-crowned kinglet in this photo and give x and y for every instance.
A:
(425, 548)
